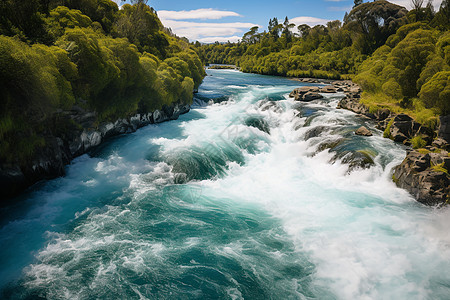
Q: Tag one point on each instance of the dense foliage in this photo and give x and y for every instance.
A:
(58, 53)
(400, 58)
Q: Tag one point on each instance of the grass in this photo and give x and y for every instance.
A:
(418, 142)
(440, 168)
(417, 110)
(423, 151)
(394, 179)
(387, 131)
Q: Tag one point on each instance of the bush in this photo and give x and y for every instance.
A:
(418, 142)
(436, 92)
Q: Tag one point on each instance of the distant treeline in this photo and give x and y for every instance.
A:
(401, 58)
(55, 54)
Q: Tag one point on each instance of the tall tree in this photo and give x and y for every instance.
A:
(287, 33)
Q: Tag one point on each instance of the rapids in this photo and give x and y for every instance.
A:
(250, 195)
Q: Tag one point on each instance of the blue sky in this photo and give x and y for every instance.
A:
(209, 21)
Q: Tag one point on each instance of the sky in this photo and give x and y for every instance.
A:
(208, 21)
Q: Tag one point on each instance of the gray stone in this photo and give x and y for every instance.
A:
(363, 131)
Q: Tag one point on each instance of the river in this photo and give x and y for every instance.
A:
(241, 198)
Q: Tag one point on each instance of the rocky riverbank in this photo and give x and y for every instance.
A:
(425, 171)
(50, 161)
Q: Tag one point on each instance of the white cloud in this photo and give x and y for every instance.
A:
(181, 24)
(311, 21)
(199, 30)
(407, 3)
(342, 8)
(201, 13)
(220, 39)
(196, 33)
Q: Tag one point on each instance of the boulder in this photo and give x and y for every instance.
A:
(303, 90)
(353, 104)
(310, 96)
(306, 93)
(382, 114)
(403, 128)
(265, 105)
(328, 89)
(363, 131)
(418, 175)
(258, 122)
(360, 159)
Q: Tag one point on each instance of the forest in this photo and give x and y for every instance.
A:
(400, 58)
(57, 54)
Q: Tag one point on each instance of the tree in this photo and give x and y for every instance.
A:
(274, 28)
(417, 4)
(304, 30)
(250, 36)
(287, 30)
(357, 2)
(373, 23)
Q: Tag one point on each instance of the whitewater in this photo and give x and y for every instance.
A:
(250, 195)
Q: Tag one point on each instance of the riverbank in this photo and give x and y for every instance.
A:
(424, 173)
(60, 149)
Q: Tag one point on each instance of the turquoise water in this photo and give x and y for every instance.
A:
(233, 200)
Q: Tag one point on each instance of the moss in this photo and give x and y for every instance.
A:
(423, 151)
(418, 142)
(440, 168)
(387, 131)
(368, 152)
(394, 179)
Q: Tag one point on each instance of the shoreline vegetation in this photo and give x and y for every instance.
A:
(222, 67)
(72, 75)
(401, 61)
(425, 170)
(400, 58)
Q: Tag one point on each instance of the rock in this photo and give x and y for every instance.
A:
(363, 131)
(12, 180)
(426, 183)
(258, 122)
(159, 116)
(314, 132)
(310, 96)
(265, 105)
(329, 144)
(441, 144)
(328, 89)
(353, 104)
(49, 162)
(403, 128)
(444, 128)
(360, 159)
(382, 114)
(180, 178)
(298, 92)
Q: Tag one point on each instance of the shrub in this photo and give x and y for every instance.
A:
(418, 142)
(436, 92)
(387, 131)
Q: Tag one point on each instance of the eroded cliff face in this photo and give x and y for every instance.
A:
(50, 161)
(424, 174)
